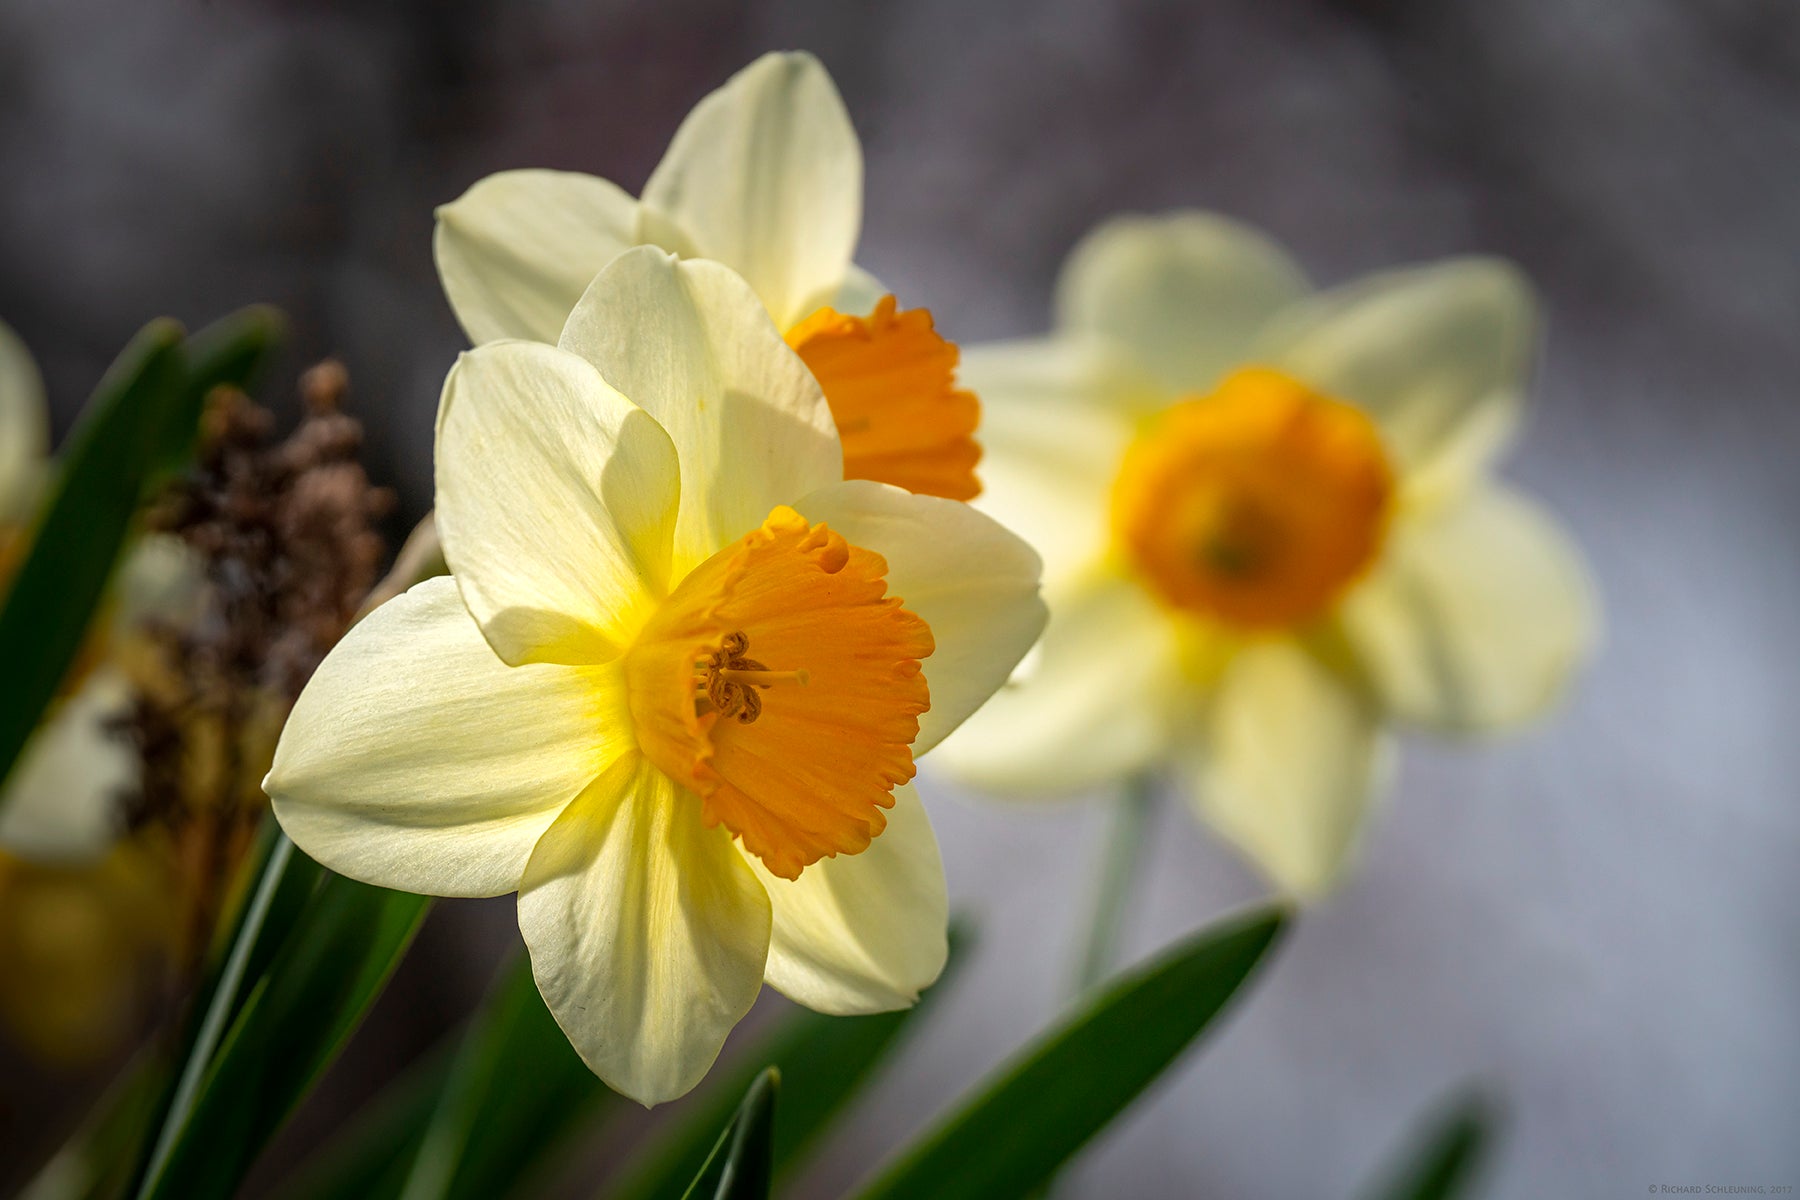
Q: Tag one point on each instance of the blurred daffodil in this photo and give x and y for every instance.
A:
(673, 690)
(80, 944)
(1269, 531)
(61, 801)
(84, 916)
(765, 176)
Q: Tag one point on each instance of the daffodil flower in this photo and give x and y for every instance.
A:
(765, 176)
(672, 691)
(61, 801)
(83, 915)
(1269, 531)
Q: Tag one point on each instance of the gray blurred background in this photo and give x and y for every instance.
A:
(1601, 919)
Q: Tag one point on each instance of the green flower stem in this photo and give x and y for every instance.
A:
(1123, 853)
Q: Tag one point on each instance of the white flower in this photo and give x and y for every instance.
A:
(1268, 531)
(61, 801)
(674, 685)
(765, 176)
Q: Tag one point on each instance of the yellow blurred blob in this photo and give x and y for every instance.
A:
(77, 943)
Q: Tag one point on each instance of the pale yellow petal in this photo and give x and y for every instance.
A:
(648, 932)
(1096, 704)
(690, 343)
(974, 583)
(64, 800)
(1055, 421)
(1285, 764)
(858, 294)
(1481, 612)
(556, 502)
(416, 759)
(516, 251)
(765, 176)
(1425, 350)
(862, 933)
(24, 428)
(1185, 291)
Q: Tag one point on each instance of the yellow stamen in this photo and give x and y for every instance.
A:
(726, 676)
(890, 379)
(767, 679)
(1257, 505)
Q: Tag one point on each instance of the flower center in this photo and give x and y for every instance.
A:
(1257, 505)
(797, 759)
(890, 380)
(728, 680)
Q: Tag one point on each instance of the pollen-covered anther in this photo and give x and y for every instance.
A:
(726, 680)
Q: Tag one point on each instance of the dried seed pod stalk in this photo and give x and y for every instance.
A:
(283, 534)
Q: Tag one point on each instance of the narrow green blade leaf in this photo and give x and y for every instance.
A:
(823, 1061)
(371, 1155)
(516, 1091)
(93, 1164)
(81, 527)
(139, 426)
(232, 351)
(743, 1162)
(285, 882)
(293, 1023)
(1031, 1116)
(1447, 1159)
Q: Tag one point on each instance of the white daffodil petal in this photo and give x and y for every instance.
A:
(556, 502)
(1095, 706)
(1055, 422)
(1423, 350)
(648, 932)
(1286, 763)
(1461, 461)
(416, 759)
(858, 294)
(516, 251)
(62, 802)
(765, 176)
(690, 343)
(974, 583)
(1478, 615)
(863, 933)
(1185, 291)
(24, 428)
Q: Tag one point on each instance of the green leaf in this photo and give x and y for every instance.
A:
(823, 1062)
(516, 1090)
(285, 880)
(371, 1155)
(232, 353)
(1029, 1117)
(741, 1164)
(1446, 1160)
(291, 1025)
(93, 1163)
(81, 527)
(138, 427)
